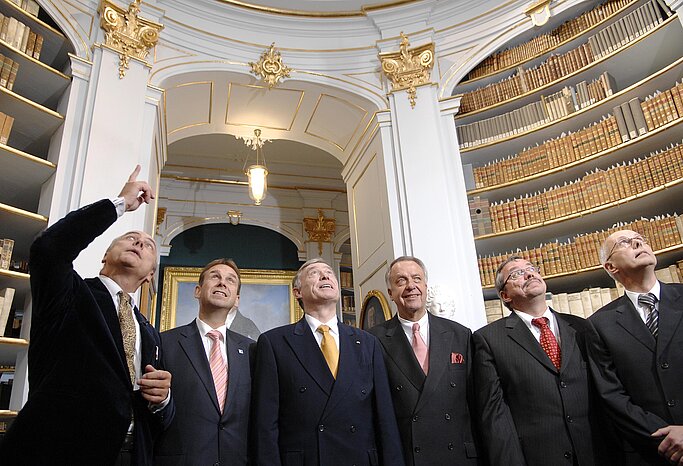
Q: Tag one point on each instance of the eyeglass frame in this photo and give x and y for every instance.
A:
(626, 243)
(520, 273)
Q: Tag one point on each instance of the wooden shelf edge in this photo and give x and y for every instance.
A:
(13, 274)
(23, 213)
(13, 341)
(36, 19)
(27, 156)
(31, 103)
(36, 61)
(659, 27)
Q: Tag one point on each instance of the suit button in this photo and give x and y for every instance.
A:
(671, 403)
(221, 426)
(568, 454)
(450, 445)
(448, 417)
(415, 418)
(321, 428)
(216, 464)
(364, 391)
(399, 388)
(452, 384)
(417, 449)
(302, 389)
(569, 419)
(353, 429)
(665, 365)
(563, 385)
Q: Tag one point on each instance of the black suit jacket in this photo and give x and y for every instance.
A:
(80, 399)
(244, 326)
(303, 416)
(433, 411)
(199, 433)
(531, 413)
(640, 379)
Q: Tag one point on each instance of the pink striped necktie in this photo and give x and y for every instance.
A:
(420, 348)
(219, 370)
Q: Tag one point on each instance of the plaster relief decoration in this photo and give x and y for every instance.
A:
(409, 67)
(161, 216)
(539, 12)
(320, 229)
(270, 68)
(441, 302)
(127, 33)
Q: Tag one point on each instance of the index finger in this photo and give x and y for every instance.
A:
(133, 176)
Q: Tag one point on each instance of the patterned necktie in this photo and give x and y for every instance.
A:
(127, 325)
(420, 348)
(329, 349)
(648, 301)
(548, 341)
(219, 370)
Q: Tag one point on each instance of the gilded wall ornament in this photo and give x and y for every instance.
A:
(270, 68)
(127, 33)
(320, 229)
(409, 67)
(161, 215)
(539, 12)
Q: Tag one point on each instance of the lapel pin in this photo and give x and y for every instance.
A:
(240, 351)
(358, 342)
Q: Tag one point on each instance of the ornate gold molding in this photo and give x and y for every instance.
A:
(539, 12)
(127, 33)
(320, 229)
(409, 67)
(161, 216)
(270, 68)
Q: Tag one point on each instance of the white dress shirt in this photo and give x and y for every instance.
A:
(535, 331)
(633, 296)
(204, 328)
(314, 323)
(407, 326)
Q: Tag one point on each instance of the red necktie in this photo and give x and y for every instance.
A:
(420, 348)
(548, 341)
(219, 370)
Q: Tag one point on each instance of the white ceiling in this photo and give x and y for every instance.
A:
(315, 7)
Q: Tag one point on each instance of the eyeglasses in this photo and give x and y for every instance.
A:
(624, 243)
(515, 274)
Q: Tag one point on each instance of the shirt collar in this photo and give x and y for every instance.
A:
(314, 323)
(205, 328)
(424, 322)
(633, 296)
(527, 318)
(114, 289)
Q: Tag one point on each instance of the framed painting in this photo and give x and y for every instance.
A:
(266, 297)
(375, 310)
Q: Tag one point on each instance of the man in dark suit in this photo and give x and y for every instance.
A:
(211, 422)
(239, 323)
(97, 394)
(637, 359)
(432, 408)
(321, 395)
(534, 397)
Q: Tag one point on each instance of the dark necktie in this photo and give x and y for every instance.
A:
(127, 325)
(647, 301)
(548, 341)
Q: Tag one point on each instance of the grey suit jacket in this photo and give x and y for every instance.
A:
(200, 434)
(531, 413)
(434, 411)
(639, 378)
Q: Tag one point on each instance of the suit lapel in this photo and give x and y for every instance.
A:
(567, 340)
(307, 351)
(349, 362)
(238, 361)
(629, 320)
(440, 343)
(670, 316)
(191, 343)
(149, 346)
(518, 331)
(400, 351)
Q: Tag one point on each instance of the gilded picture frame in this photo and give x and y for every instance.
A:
(375, 310)
(266, 297)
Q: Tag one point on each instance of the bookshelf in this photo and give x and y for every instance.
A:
(26, 170)
(637, 72)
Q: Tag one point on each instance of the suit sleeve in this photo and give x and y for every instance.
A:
(389, 440)
(53, 252)
(632, 420)
(497, 427)
(265, 406)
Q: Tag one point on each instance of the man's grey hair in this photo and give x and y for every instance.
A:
(296, 281)
(387, 274)
(500, 280)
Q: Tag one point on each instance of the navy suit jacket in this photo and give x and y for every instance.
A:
(639, 378)
(434, 411)
(199, 433)
(530, 412)
(303, 416)
(80, 397)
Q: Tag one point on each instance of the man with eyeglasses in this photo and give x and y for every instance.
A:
(535, 402)
(637, 354)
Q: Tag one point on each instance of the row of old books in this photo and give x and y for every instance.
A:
(348, 304)
(6, 247)
(6, 123)
(6, 298)
(582, 251)
(548, 109)
(8, 72)
(19, 36)
(599, 187)
(346, 279)
(630, 120)
(555, 66)
(29, 6)
(629, 28)
(545, 42)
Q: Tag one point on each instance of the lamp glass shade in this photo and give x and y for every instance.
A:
(258, 184)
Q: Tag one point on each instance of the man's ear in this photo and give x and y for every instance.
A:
(389, 291)
(197, 291)
(504, 296)
(296, 292)
(610, 268)
(104, 258)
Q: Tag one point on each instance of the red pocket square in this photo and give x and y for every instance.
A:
(456, 358)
